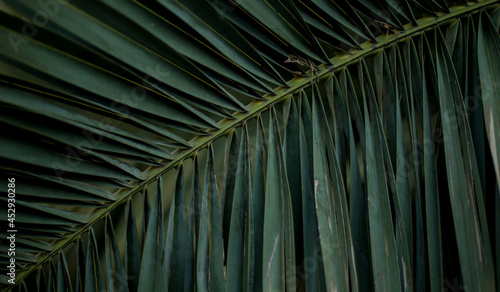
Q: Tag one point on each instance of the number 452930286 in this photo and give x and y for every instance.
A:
(11, 211)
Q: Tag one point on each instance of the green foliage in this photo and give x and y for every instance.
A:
(251, 145)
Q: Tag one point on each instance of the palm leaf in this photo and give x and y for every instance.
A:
(250, 146)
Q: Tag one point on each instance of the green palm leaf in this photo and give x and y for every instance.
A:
(250, 145)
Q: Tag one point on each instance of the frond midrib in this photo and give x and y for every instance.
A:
(257, 107)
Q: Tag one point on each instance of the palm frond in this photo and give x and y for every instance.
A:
(354, 138)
